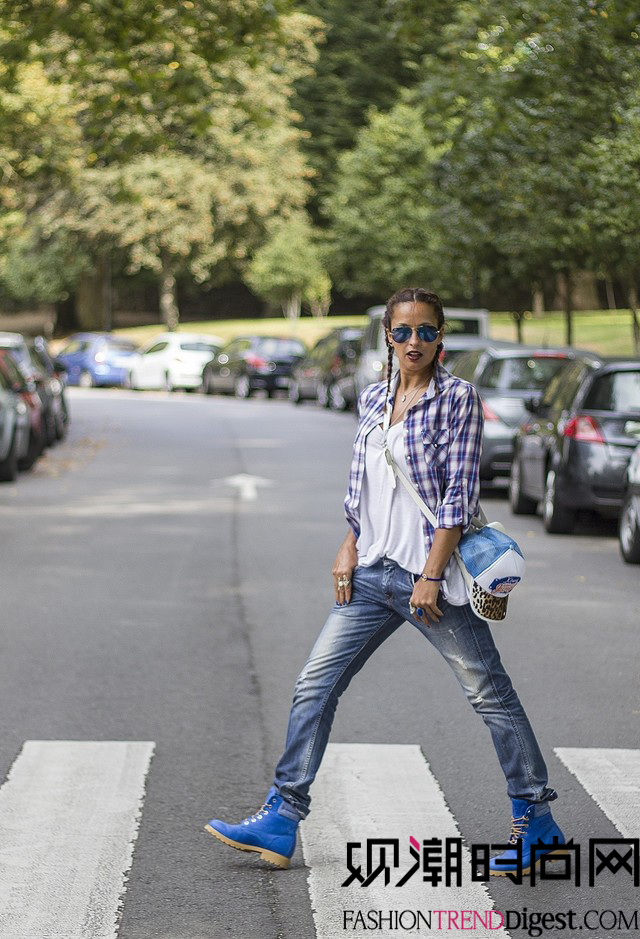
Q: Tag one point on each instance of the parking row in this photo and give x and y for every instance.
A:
(562, 426)
(33, 405)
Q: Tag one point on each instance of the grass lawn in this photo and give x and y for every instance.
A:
(607, 332)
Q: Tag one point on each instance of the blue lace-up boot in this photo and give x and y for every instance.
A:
(271, 834)
(532, 821)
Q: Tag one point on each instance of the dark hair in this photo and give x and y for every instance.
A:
(411, 295)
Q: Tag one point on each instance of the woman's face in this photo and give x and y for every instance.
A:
(415, 355)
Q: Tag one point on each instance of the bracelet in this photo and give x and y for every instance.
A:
(437, 579)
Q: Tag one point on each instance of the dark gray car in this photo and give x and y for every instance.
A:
(574, 451)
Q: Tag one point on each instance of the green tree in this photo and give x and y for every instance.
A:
(90, 112)
(384, 207)
(369, 53)
(519, 89)
(288, 269)
(609, 217)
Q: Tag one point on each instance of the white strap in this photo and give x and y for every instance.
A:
(478, 522)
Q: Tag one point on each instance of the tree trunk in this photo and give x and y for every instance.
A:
(538, 301)
(568, 304)
(107, 294)
(291, 306)
(611, 297)
(168, 295)
(518, 318)
(88, 300)
(633, 307)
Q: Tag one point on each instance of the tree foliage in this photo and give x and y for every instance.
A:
(288, 269)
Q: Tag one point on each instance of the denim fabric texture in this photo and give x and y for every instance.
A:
(379, 605)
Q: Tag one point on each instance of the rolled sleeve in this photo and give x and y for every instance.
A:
(460, 498)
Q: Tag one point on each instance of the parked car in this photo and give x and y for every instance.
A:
(629, 528)
(327, 372)
(465, 329)
(35, 363)
(506, 377)
(15, 426)
(26, 389)
(96, 359)
(249, 363)
(172, 361)
(574, 451)
(54, 378)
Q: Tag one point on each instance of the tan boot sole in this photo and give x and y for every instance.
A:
(278, 859)
(554, 855)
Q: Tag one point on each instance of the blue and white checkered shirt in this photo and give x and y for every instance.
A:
(442, 444)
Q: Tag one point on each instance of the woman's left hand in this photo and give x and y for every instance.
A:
(424, 598)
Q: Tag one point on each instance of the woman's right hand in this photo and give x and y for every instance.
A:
(346, 560)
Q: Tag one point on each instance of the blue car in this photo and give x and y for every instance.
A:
(92, 359)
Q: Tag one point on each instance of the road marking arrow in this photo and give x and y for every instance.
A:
(246, 484)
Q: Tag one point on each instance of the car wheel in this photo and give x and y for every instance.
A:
(242, 387)
(322, 395)
(36, 446)
(9, 466)
(294, 392)
(86, 379)
(629, 530)
(207, 382)
(519, 503)
(50, 428)
(557, 519)
(337, 400)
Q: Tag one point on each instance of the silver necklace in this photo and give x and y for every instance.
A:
(404, 397)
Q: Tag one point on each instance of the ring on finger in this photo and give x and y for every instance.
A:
(412, 609)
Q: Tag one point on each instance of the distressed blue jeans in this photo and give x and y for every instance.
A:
(379, 605)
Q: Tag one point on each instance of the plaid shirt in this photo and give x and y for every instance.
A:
(442, 445)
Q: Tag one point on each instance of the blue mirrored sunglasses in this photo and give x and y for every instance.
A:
(426, 332)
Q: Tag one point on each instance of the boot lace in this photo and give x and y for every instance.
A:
(518, 828)
(262, 811)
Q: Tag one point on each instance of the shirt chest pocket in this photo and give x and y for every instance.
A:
(436, 446)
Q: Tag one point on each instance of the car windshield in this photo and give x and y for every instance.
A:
(615, 391)
(199, 347)
(75, 346)
(522, 374)
(12, 370)
(20, 353)
(120, 345)
(462, 326)
(273, 347)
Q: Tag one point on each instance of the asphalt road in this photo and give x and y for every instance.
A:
(146, 598)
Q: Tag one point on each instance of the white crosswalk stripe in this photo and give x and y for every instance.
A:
(69, 814)
(612, 779)
(372, 791)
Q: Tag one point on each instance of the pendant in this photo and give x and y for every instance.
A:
(403, 398)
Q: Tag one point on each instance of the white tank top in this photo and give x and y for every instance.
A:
(391, 522)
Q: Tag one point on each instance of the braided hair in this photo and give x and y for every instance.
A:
(411, 295)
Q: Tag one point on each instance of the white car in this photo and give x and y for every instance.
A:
(172, 360)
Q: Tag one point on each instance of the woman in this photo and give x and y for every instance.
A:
(394, 567)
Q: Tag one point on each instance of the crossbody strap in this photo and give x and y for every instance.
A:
(478, 522)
